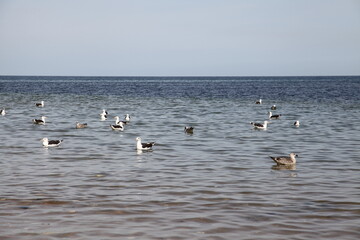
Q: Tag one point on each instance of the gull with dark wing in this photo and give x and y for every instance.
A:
(276, 116)
(118, 127)
(143, 146)
(296, 123)
(117, 121)
(103, 115)
(50, 143)
(40, 121)
(260, 125)
(189, 130)
(40, 104)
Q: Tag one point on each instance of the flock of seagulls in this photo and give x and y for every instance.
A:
(271, 117)
(119, 125)
(280, 160)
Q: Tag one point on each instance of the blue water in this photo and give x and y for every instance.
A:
(218, 183)
(277, 88)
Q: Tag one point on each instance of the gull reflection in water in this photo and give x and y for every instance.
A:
(284, 167)
(288, 173)
(141, 151)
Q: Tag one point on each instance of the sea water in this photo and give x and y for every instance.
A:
(218, 183)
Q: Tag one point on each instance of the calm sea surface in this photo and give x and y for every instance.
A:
(218, 183)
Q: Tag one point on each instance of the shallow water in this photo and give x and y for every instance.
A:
(218, 183)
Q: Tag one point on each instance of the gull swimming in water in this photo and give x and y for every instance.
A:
(143, 146)
(127, 118)
(260, 125)
(103, 115)
(118, 127)
(189, 130)
(273, 107)
(117, 120)
(40, 121)
(271, 116)
(296, 123)
(285, 160)
(80, 125)
(2, 112)
(258, 101)
(50, 143)
(40, 104)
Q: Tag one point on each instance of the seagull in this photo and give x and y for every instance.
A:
(296, 123)
(285, 160)
(143, 146)
(273, 107)
(260, 125)
(104, 112)
(127, 118)
(119, 126)
(271, 116)
(2, 112)
(39, 121)
(117, 120)
(258, 101)
(50, 143)
(189, 130)
(80, 125)
(40, 104)
(103, 115)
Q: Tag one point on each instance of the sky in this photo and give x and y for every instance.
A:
(180, 37)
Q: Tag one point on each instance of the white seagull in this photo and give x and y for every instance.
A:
(296, 123)
(127, 118)
(260, 125)
(40, 104)
(285, 160)
(103, 115)
(143, 146)
(104, 112)
(40, 121)
(271, 116)
(50, 143)
(2, 112)
(118, 127)
(258, 101)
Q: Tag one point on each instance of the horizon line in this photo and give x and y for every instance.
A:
(174, 76)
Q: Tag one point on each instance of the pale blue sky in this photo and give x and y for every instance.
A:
(180, 37)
